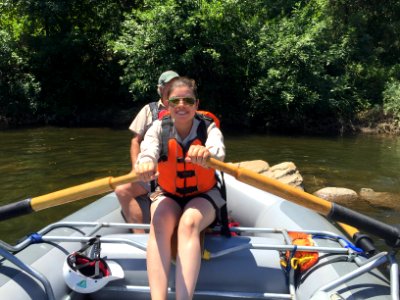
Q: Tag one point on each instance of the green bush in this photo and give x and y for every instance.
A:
(19, 89)
(262, 65)
(391, 98)
(210, 41)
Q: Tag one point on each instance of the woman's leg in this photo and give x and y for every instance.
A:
(165, 215)
(197, 215)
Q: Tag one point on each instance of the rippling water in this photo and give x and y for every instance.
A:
(38, 161)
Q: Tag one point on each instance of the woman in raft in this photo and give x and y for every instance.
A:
(187, 198)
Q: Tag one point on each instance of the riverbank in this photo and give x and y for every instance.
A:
(287, 173)
(373, 121)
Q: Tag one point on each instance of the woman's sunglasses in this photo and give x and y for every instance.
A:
(186, 101)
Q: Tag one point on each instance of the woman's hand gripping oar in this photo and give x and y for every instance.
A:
(67, 195)
(333, 211)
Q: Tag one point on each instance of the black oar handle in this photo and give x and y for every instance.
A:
(16, 209)
(389, 233)
(364, 242)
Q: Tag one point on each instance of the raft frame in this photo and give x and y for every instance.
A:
(8, 252)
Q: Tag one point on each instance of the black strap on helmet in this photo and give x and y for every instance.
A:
(91, 267)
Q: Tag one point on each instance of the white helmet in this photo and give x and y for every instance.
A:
(85, 275)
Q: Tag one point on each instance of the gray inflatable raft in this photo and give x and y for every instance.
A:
(247, 266)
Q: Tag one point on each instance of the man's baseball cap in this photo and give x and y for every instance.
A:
(166, 77)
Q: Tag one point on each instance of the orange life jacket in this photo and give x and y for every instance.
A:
(176, 176)
(210, 116)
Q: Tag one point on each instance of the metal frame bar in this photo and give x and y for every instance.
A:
(239, 295)
(31, 271)
(372, 263)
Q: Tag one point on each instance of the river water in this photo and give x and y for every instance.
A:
(38, 161)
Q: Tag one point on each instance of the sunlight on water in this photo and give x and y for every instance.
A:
(352, 162)
(38, 161)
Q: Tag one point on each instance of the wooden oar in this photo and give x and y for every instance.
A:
(71, 194)
(333, 211)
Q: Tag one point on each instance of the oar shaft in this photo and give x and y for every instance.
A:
(71, 194)
(82, 191)
(273, 186)
(67, 195)
(333, 211)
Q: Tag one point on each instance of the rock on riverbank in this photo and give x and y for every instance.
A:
(348, 197)
(288, 173)
(285, 172)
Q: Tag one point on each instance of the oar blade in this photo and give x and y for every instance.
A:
(67, 195)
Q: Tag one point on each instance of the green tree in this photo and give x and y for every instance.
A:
(323, 62)
(69, 56)
(211, 41)
(304, 78)
(19, 88)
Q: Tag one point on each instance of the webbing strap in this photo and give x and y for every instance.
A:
(36, 238)
(93, 241)
(186, 190)
(225, 231)
(154, 110)
(185, 174)
(166, 127)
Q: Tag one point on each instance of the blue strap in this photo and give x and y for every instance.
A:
(347, 242)
(289, 265)
(35, 238)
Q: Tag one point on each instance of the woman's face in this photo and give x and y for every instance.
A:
(182, 104)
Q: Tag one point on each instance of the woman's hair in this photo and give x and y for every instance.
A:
(184, 81)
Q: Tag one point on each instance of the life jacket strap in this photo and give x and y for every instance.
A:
(185, 174)
(225, 231)
(154, 110)
(187, 190)
(167, 124)
(165, 136)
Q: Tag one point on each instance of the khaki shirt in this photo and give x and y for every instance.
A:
(143, 119)
(151, 145)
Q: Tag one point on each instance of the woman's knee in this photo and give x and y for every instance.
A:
(164, 218)
(188, 225)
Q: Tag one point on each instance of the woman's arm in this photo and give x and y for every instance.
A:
(215, 142)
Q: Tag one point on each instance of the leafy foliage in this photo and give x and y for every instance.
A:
(211, 41)
(391, 98)
(279, 65)
(19, 88)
